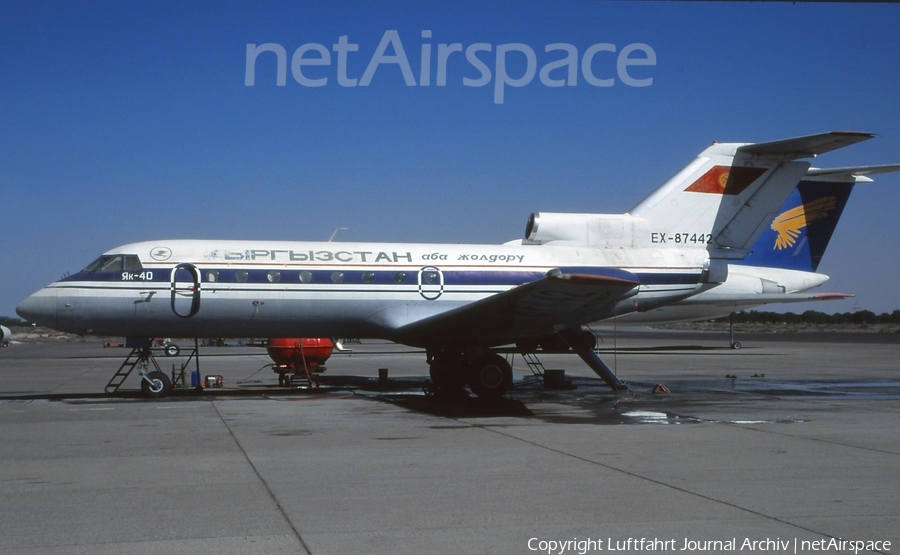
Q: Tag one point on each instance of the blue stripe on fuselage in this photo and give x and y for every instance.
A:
(508, 278)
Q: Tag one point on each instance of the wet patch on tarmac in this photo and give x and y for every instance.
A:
(591, 402)
(458, 406)
(587, 401)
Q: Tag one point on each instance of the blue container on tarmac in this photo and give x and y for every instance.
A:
(195, 378)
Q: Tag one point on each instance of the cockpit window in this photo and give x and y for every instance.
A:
(132, 263)
(105, 264)
(114, 263)
(92, 267)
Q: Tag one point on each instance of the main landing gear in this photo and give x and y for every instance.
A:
(489, 375)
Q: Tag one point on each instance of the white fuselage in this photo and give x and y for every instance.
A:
(272, 288)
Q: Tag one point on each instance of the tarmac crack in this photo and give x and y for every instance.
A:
(263, 481)
(655, 481)
(812, 439)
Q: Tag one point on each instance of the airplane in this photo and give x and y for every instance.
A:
(458, 302)
(5, 336)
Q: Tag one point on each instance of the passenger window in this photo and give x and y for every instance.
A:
(337, 277)
(305, 276)
(241, 276)
(368, 277)
(274, 277)
(430, 278)
(212, 276)
(399, 277)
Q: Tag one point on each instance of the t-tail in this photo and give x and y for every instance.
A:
(721, 202)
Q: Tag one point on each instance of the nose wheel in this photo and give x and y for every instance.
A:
(155, 384)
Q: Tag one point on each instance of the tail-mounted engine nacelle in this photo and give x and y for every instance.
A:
(5, 335)
(579, 229)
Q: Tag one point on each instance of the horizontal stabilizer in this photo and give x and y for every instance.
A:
(852, 172)
(808, 146)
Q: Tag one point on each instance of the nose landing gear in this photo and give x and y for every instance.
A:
(155, 383)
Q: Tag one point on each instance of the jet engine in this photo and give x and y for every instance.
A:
(5, 336)
(610, 230)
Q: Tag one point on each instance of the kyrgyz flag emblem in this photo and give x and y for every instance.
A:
(725, 180)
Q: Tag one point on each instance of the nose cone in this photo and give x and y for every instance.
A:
(39, 308)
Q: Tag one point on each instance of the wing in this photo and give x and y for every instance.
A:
(537, 308)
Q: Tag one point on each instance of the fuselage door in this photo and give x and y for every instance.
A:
(431, 282)
(185, 290)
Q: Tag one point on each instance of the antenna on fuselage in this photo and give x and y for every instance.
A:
(330, 239)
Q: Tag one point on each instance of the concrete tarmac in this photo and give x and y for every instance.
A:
(802, 445)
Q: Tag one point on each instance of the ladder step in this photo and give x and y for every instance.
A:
(535, 365)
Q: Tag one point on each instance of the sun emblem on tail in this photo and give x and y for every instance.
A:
(788, 224)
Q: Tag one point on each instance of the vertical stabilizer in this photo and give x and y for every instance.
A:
(720, 199)
(799, 234)
(731, 192)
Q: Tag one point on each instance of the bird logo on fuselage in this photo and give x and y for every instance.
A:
(161, 253)
(789, 224)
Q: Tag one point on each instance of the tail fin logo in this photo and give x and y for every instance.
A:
(725, 180)
(788, 224)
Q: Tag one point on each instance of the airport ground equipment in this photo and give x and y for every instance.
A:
(292, 355)
(733, 344)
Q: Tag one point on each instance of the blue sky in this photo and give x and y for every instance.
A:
(130, 121)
